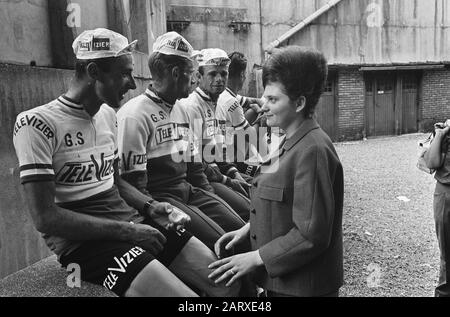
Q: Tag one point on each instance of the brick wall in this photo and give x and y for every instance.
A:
(351, 101)
(434, 98)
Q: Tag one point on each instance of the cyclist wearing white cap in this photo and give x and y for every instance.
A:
(68, 158)
(154, 130)
(202, 106)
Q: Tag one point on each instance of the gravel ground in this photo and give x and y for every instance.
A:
(390, 247)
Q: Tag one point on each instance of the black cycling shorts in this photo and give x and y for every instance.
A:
(115, 265)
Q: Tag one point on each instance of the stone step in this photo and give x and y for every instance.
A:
(47, 279)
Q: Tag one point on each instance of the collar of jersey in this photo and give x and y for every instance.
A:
(153, 96)
(203, 94)
(231, 93)
(73, 107)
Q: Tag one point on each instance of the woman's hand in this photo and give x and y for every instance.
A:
(230, 239)
(235, 267)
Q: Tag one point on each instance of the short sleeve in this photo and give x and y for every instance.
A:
(132, 141)
(235, 114)
(244, 102)
(34, 143)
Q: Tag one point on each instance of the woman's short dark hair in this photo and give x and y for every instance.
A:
(159, 64)
(238, 64)
(105, 64)
(302, 71)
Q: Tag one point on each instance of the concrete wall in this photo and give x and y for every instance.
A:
(353, 32)
(280, 16)
(381, 32)
(209, 26)
(22, 88)
(25, 34)
(93, 14)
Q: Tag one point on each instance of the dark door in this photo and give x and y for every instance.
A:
(380, 104)
(410, 84)
(326, 109)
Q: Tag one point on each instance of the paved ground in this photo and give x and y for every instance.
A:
(390, 244)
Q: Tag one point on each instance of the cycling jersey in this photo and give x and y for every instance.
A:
(154, 136)
(213, 129)
(61, 142)
(202, 109)
(244, 102)
(229, 109)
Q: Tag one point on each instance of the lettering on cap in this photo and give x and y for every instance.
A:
(178, 45)
(172, 44)
(84, 46)
(183, 47)
(101, 44)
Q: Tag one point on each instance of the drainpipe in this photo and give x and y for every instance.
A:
(301, 25)
(261, 32)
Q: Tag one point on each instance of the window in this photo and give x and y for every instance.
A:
(410, 83)
(369, 86)
(329, 86)
(385, 86)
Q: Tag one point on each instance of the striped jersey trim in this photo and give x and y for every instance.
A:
(64, 100)
(150, 94)
(37, 178)
(231, 93)
(36, 167)
(243, 126)
(202, 95)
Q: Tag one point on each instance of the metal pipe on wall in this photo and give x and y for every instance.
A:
(301, 25)
(261, 32)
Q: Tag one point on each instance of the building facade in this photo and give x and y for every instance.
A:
(388, 58)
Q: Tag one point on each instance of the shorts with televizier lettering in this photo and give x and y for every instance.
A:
(115, 264)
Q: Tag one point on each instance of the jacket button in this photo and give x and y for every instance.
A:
(254, 237)
(253, 211)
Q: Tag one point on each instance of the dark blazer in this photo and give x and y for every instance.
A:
(296, 221)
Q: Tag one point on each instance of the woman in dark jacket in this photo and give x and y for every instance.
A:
(297, 196)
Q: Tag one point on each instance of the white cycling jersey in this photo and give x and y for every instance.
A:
(203, 112)
(60, 141)
(154, 136)
(243, 101)
(229, 109)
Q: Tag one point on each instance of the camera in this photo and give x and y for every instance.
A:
(441, 125)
